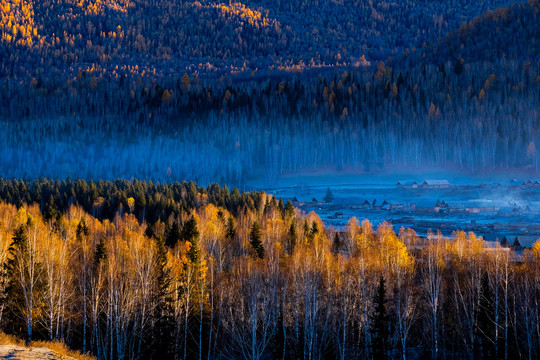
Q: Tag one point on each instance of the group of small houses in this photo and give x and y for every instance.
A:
(444, 184)
(426, 205)
(427, 184)
(502, 207)
(531, 184)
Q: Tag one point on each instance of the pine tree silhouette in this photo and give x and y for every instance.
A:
(173, 235)
(255, 239)
(329, 197)
(379, 324)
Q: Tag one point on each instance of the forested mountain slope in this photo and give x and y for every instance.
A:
(172, 36)
(495, 36)
(463, 103)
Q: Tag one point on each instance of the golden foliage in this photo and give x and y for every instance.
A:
(166, 96)
(434, 112)
(59, 349)
(131, 204)
(392, 251)
(482, 94)
(535, 250)
(98, 7)
(252, 17)
(17, 22)
(350, 272)
(185, 80)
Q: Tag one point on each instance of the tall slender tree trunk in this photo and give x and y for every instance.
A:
(506, 279)
(186, 328)
(201, 298)
(211, 311)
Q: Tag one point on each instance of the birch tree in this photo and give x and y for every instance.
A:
(27, 286)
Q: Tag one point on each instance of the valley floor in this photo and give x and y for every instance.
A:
(493, 210)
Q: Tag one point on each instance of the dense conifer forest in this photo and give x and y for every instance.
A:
(223, 276)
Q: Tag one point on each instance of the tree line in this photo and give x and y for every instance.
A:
(149, 202)
(262, 284)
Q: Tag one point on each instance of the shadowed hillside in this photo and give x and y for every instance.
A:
(173, 36)
(509, 33)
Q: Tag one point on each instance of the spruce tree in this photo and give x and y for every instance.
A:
(379, 324)
(149, 232)
(231, 229)
(189, 231)
(336, 243)
(314, 231)
(163, 311)
(101, 252)
(191, 235)
(306, 228)
(281, 208)
(173, 235)
(289, 210)
(195, 285)
(291, 238)
(255, 237)
(82, 229)
(50, 212)
(329, 197)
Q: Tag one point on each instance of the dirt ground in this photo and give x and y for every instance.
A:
(13, 352)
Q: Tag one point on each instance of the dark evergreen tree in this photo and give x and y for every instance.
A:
(82, 229)
(380, 322)
(173, 235)
(306, 228)
(190, 233)
(189, 230)
(231, 228)
(291, 238)
(289, 210)
(50, 212)
(281, 208)
(336, 243)
(101, 252)
(149, 232)
(314, 231)
(329, 197)
(163, 328)
(485, 337)
(255, 239)
(196, 314)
